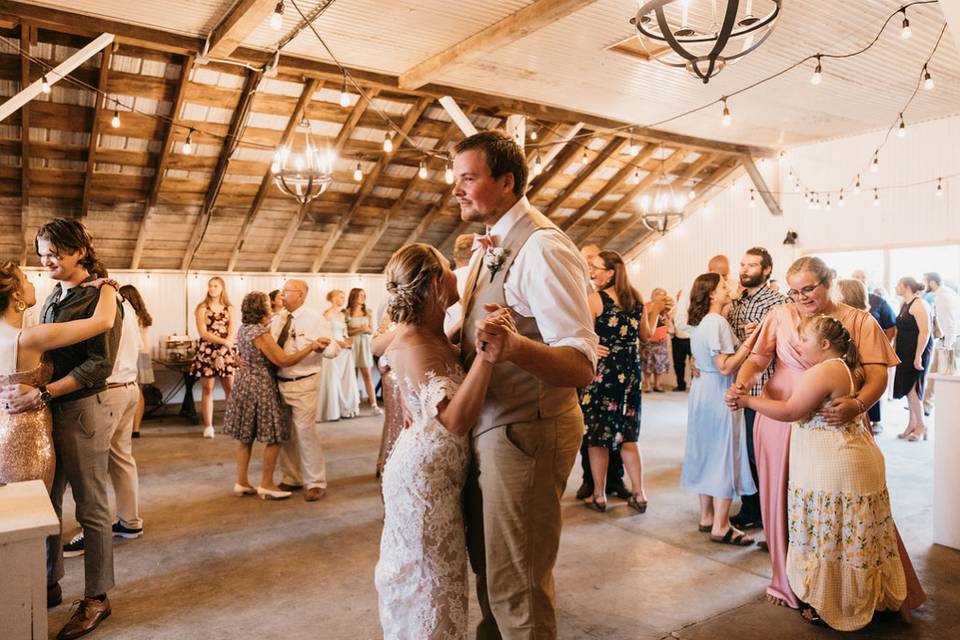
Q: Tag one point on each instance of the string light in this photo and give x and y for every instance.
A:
(828, 206)
(875, 165)
(115, 121)
(856, 187)
(927, 79)
(634, 150)
(902, 129)
(188, 144)
(753, 200)
(276, 18)
(840, 201)
(448, 174)
(876, 198)
(817, 76)
(358, 173)
(422, 171)
(344, 94)
(727, 118)
(533, 135)
(939, 187)
(44, 84)
(388, 141)
(537, 165)
(635, 178)
(905, 32)
(584, 160)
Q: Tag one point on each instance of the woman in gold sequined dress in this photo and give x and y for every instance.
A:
(26, 448)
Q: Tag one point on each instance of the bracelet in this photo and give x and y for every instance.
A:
(863, 408)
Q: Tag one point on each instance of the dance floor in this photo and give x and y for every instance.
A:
(214, 566)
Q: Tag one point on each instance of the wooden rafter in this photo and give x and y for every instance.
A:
(611, 184)
(237, 25)
(289, 235)
(769, 199)
(448, 242)
(26, 35)
(237, 123)
(105, 56)
(531, 18)
(398, 205)
(584, 174)
(311, 87)
(413, 115)
(566, 157)
(162, 160)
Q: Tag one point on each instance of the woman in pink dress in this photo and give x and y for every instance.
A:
(810, 281)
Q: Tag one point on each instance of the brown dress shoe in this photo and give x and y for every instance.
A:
(283, 486)
(314, 493)
(88, 616)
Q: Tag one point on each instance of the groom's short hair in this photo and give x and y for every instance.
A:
(503, 156)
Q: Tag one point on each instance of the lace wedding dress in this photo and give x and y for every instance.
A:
(421, 577)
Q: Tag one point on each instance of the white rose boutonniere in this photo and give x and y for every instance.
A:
(494, 259)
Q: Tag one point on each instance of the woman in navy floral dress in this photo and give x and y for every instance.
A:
(216, 354)
(255, 410)
(611, 403)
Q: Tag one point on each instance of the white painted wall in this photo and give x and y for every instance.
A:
(908, 216)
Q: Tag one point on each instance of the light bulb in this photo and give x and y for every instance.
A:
(448, 175)
(388, 141)
(188, 144)
(344, 96)
(939, 187)
(817, 76)
(276, 18)
(44, 84)
(635, 178)
(828, 207)
(876, 198)
(584, 159)
(856, 187)
(840, 201)
(796, 186)
(790, 173)
(927, 79)
(634, 150)
(537, 165)
(422, 172)
(533, 135)
(727, 119)
(753, 200)
(902, 129)
(905, 32)
(115, 121)
(875, 165)
(358, 173)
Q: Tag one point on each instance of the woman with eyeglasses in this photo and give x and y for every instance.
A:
(811, 290)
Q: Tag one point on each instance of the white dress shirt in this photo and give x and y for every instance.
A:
(946, 308)
(307, 325)
(128, 352)
(548, 281)
(455, 311)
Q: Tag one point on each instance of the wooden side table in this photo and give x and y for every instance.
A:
(26, 519)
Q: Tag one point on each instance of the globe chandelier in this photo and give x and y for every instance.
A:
(703, 36)
(306, 172)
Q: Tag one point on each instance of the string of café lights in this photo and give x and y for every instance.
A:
(345, 100)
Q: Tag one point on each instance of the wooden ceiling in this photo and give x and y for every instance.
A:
(150, 206)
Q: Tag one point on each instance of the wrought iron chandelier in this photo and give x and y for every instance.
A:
(704, 35)
(664, 207)
(304, 174)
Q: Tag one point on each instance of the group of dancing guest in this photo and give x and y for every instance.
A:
(834, 549)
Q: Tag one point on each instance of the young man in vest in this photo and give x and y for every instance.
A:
(525, 302)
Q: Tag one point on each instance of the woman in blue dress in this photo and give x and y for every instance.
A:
(715, 463)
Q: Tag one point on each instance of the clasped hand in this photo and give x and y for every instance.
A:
(736, 396)
(496, 334)
(321, 344)
(16, 398)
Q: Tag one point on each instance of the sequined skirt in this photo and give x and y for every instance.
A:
(26, 446)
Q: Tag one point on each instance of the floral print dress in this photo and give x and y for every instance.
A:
(255, 410)
(611, 403)
(215, 359)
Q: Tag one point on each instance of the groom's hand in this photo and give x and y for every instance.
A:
(496, 334)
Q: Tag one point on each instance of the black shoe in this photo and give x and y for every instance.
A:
(681, 387)
(585, 491)
(135, 434)
(746, 522)
(121, 531)
(620, 491)
(74, 548)
(54, 595)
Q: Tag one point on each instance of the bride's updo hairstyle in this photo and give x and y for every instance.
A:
(9, 283)
(414, 279)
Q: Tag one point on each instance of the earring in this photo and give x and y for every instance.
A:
(20, 306)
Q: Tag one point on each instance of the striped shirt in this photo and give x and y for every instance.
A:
(747, 309)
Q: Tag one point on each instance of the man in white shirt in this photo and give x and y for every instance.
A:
(302, 463)
(525, 303)
(946, 316)
(462, 250)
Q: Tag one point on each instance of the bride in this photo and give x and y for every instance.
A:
(421, 577)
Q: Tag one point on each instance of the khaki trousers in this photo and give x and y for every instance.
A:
(123, 467)
(512, 504)
(301, 457)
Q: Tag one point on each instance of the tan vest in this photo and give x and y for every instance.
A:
(514, 395)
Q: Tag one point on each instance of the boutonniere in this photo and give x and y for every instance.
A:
(494, 259)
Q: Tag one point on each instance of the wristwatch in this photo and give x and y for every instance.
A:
(45, 396)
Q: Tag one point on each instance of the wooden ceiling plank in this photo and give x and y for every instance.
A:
(585, 174)
(27, 32)
(518, 25)
(371, 181)
(105, 57)
(238, 25)
(163, 158)
(563, 159)
(309, 88)
(237, 123)
(288, 237)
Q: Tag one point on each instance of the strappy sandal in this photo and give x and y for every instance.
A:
(596, 506)
(641, 507)
(809, 614)
(739, 540)
(704, 528)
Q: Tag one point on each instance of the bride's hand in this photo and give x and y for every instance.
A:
(99, 282)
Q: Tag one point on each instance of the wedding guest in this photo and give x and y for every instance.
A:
(843, 561)
(611, 403)
(145, 361)
(775, 285)
(679, 349)
(256, 411)
(462, 250)
(914, 344)
(810, 281)
(747, 311)
(853, 293)
(82, 423)
(654, 360)
(339, 394)
(882, 312)
(715, 462)
(216, 355)
(276, 302)
(392, 410)
(302, 463)
(359, 329)
(946, 323)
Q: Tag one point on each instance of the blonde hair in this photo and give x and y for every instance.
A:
(413, 275)
(853, 293)
(832, 330)
(9, 283)
(224, 299)
(332, 293)
(463, 247)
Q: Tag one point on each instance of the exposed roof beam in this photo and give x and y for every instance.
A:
(162, 160)
(761, 185)
(565, 158)
(27, 33)
(611, 184)
(428, 218)
(312, 86)
(457, 115)
(451, 238)
(95, 129)
(531, 18)
(237, 26)
(556, 145)
(584, 174)
(413, 115)
(290, 234)
(237, 124)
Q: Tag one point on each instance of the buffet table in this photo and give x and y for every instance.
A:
(946, 470)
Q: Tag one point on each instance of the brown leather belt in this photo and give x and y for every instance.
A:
(297, 378)
(118, 385)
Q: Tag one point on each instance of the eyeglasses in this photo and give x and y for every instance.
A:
(803, 292)
(593, 267)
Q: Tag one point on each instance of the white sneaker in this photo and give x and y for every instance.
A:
(208, 433)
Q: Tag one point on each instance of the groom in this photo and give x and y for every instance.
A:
(525, 302)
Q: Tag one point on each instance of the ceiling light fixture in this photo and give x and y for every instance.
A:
(303, 173)
(276, 18)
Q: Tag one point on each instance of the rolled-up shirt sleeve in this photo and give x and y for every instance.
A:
(552, 287)
(101, 353)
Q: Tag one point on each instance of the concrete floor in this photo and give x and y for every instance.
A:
(214, 566)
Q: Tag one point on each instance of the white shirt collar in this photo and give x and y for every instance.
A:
(502, 228)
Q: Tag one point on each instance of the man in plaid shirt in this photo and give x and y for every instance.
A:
(746, 313)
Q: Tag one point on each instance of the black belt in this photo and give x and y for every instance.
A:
(297, 378)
